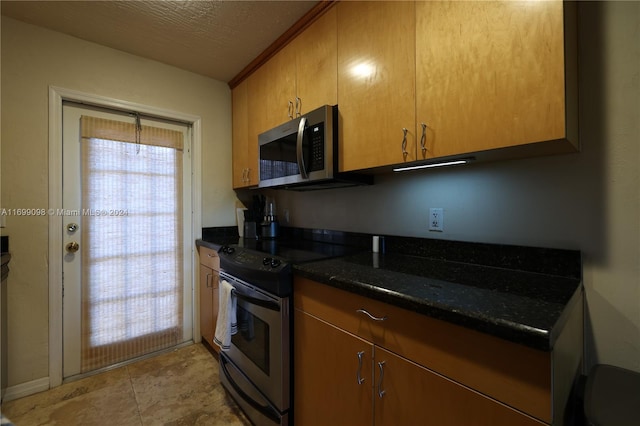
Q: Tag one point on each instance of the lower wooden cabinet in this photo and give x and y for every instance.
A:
(341, 379)
(209, 293)
(407, 393)
(326, 367)
(348, 378)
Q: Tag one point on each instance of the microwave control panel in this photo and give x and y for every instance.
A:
(316, 136)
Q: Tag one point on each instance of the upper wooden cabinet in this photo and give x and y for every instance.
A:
(316, 63)
(299, 78)
(376, 83)
(490, 74)
(415, 81)
(461, 77)
(302, 75)
(245, 154)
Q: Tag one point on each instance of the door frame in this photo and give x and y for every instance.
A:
(56, 96)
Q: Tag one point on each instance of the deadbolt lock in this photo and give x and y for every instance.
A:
(72, 227)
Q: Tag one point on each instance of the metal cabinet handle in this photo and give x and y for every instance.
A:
(423, 138)
(290, 109)
(244, 175)
(364, 311)
(359, 377)
(209, 280)
(381, 392)
(248, 175)
(404, 143)
(298, 106)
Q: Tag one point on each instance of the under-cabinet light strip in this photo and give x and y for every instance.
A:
(428, 166)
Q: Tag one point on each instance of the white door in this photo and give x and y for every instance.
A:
(127, 238)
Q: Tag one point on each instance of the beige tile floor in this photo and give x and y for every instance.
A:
(177, 388)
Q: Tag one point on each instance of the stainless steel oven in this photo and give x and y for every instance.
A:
(256, 370)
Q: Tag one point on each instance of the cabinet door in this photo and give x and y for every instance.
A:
(257, 106)
(376, 83)
(316, 63)
(207, 326)
(241, 145)
(326, 367)
(417, 396)
(281, 89)
(489, 74)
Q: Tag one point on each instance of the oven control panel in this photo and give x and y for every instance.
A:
(251, 259)
(266, 271)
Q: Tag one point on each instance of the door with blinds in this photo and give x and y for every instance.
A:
(127, 218)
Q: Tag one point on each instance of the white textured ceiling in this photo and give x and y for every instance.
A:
(213, 38)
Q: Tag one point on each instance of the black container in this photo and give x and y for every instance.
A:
(269, 230)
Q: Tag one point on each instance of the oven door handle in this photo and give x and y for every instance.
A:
(268, 304)
(266, 410)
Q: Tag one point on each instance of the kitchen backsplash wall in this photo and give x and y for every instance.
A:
(533, 202)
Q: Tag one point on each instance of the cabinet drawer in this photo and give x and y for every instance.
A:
(514, 374)
(209, 258)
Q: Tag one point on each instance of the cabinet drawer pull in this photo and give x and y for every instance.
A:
(209, 281)
(404, 143)
(290, 109)
(423, 138)
(363, 311)
(359, 377)
(381, 392)
(298, 106)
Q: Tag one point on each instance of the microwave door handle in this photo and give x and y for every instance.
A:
(301, 166)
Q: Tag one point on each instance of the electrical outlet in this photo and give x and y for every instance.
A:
(436, 220)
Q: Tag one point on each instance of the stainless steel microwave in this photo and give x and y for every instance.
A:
(302, 154)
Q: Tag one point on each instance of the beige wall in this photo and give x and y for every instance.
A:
(589, 201)
(33, 59)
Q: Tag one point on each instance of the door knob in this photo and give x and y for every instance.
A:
(72, 227)
(73, 247)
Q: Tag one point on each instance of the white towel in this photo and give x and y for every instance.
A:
(226, 325)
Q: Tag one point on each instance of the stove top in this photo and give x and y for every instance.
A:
(295, 251)
(267, 263)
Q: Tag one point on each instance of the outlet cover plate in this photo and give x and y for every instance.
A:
(436, 219)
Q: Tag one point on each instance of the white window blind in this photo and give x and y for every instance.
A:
(132, 266)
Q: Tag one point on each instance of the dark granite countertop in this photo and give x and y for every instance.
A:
(523, 307)
(521, 294)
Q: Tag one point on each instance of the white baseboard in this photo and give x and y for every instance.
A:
(26, 389)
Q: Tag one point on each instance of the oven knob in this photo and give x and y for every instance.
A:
(266, 261)
(227, 250)
(275, 263)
